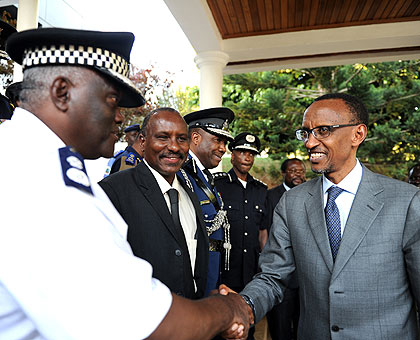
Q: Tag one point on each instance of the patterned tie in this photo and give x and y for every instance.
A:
(173, 198)
(332, 217)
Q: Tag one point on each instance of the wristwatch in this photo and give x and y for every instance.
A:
(250, 303)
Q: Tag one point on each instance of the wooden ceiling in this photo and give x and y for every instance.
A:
(243, 18)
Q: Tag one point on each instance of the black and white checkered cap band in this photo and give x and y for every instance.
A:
(76, 55)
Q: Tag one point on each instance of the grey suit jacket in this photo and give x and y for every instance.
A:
(371, 289)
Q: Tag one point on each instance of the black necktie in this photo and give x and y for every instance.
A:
(173, 198)
(209, 177)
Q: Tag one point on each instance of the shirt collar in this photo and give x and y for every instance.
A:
(286, 186)
(162, 182)
(197, 161)
(350, 183)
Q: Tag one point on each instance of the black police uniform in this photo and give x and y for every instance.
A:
(214, 121)
(245, 207)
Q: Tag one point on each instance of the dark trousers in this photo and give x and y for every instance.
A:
(283, 318)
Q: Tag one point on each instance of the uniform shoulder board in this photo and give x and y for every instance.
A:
(221, 175)
(260, 182)
(74, 170)
(130, 159)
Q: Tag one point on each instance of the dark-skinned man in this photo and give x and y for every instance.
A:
(244, 197)
(209, 133)
(131, 155)
(283, 318)
(353, 237)
(67, 271)
(182, 260)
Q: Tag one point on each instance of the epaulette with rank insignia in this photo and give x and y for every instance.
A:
(130, 159)
(221, 175)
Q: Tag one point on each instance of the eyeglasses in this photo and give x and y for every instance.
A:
(319, 132)
(295, 171)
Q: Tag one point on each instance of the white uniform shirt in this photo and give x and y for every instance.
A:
(66, 270)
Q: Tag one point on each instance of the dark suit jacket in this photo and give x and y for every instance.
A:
(273, 197)
(152, 235)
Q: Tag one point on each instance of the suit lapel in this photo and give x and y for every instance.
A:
(366, 207)
(151, 191)
(315, 216)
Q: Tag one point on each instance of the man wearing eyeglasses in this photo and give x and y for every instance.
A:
(352, 236)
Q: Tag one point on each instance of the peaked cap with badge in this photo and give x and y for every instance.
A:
(245, 141)
(105, 52)
(215, 120)
(134, 127)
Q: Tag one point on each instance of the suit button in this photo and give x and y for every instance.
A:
(244, 250)
(246, 201)
(246, 217)
(178, 252)
(335, 328)
(245, 233)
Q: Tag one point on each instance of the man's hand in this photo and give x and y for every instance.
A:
(224, 290)
(240, 323)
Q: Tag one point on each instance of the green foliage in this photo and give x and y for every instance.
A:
(184, 101)
(271, 105)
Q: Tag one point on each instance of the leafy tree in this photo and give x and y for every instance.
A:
(184, 101)
(271, 104)
(152, 87)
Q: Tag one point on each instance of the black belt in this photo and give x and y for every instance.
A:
(215, 245)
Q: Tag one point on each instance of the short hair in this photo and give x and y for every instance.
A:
(355, 105)
(37, 80)
(150, 114)
(413, 168)
(286, 162)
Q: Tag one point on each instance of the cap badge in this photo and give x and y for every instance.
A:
(250, 138)
(226, 125)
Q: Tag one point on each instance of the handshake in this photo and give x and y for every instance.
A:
(243, 315)
(224, 312)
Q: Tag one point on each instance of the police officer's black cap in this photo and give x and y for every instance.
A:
(106, 52)
(134, 127)
(245, 141)
(215, 120)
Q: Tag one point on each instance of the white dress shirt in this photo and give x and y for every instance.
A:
(344, 201)
(187, 214)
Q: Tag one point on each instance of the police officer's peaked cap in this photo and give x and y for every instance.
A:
(245, 141)
(134, 127)
(106, 52)
(215, 120)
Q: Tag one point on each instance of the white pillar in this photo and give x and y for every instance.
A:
(211, 65)
(27, 18)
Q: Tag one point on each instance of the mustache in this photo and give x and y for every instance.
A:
(180, 155)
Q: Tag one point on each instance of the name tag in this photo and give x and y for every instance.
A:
(204, 202)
